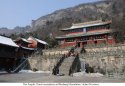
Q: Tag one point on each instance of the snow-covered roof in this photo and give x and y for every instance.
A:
(38, 40)
(7, 41)
(30, 38)
(41, 41)
(25, 40)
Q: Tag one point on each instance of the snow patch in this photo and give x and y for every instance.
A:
(88, 74)
(30, 71)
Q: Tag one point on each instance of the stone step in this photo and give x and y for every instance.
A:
(65, 67)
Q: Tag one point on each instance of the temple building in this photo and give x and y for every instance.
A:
(23, 45)
(37, 43)
(88, 33)
(22, 42)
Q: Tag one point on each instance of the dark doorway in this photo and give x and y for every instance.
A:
(95, 42)
(84, 43)
(78, 44)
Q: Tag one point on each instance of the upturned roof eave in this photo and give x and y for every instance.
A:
(79, 35)
(83, 26)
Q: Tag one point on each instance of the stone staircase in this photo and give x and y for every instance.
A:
(66, 65)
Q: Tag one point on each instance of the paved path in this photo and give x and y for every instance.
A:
(48, 78)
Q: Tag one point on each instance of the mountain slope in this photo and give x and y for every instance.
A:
(82, 12)
(105, 10)
(16, 30)
(50, 25)
(64, 18)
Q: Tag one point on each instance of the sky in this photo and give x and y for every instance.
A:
(21, 12)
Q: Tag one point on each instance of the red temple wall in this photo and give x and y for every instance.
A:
(100, 41)
(90, 42)
(111, 41)
(71, 33)
(67, 44)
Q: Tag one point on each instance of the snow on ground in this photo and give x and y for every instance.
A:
(88, 74)
(3, 72)
(30, 71)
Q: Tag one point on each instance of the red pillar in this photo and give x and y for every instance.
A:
(81, 44)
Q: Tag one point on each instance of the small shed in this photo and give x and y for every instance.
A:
(7, 47)
(41, 44)
(23, 47)
(27, 51)
(8, 53)
(22, 42)
(37, 43)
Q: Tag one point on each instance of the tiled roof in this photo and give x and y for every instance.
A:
(84, 34)
(87, 24)
(41, 41)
